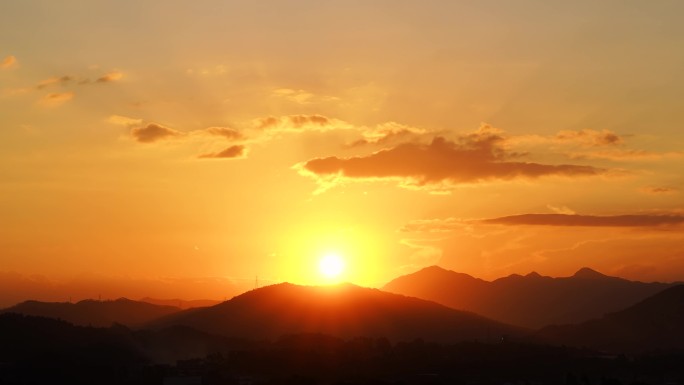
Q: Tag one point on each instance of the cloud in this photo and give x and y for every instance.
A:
(388, 133)
(473, 158)
(67, 80)
(588, 220)
(659, 190)
(298, 123)
(297, 96)
(381, 134)
(588, 144)
(589, 137)
(8, 62)
(445, 225)
(300, 96)
(154, 132)
(226, 132)
(232, 152)
(584, 138)
(110, 77)
(61, 80)
(422, 253)
(561, 210)
(627, 155)
(121, 120)
(55, 99)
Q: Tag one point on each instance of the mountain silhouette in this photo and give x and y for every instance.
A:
(95, 313)
(532, 301)
(343, 310)
(654, 323)
(181, 303)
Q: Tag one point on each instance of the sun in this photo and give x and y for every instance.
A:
(331, 266)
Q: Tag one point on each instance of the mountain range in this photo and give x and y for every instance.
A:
(652, 324)
(95, 313)
(531, 301)
(651, 321)
(343, 310)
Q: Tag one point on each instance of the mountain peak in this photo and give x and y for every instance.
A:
(533, 274)
(434, 268)
(588, 273)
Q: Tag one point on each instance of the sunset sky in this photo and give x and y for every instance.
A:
(180, 149)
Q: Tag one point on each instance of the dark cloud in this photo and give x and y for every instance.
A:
(232, 152)
(153, 132)
(476, 157)
(588, 220)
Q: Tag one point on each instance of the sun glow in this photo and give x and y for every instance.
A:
(331, 266)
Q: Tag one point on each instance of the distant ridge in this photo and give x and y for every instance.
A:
(181, 303)
(343, 310)
(532, 301)
(95, 313)
(654, 323)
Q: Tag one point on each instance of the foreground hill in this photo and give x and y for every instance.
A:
(344, 311)
(533, 300)
(654, 323)
(38, 350)
(95, 313)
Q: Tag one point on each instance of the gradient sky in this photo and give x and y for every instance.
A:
(179, 149)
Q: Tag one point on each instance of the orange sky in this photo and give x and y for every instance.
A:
(173, 149)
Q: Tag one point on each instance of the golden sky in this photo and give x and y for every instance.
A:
(180, 149)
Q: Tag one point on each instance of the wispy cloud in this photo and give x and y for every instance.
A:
(299, 123)
(121, 120)
(110, 77)
(589, 137)
(68, 80)
(584, 138)
(61, 80)
(8, 62)
(659, 190)
(387, 133)
(437, 225)
(225, 132)
(232, 152)
(627, 155)
(55, 99)
(637, 220)
(301, 96)
(561, 210)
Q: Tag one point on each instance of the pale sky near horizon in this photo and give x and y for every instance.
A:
(180, 149)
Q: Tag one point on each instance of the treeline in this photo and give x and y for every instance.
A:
(35, 350)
